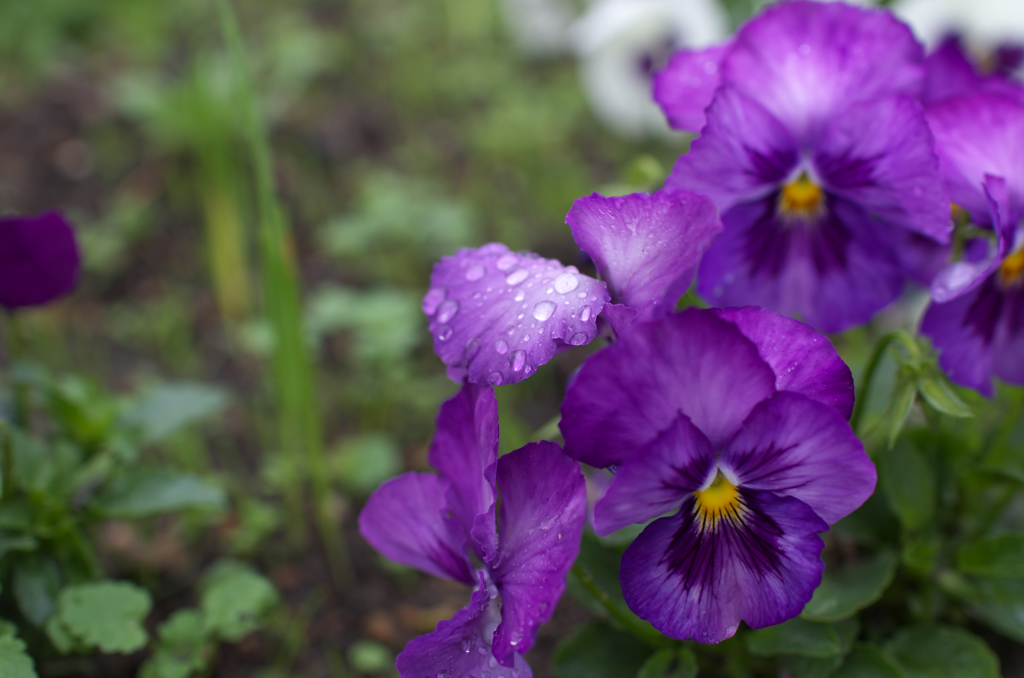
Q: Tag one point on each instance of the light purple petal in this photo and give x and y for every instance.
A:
(656, 479)
(803, 360)
(499, 315)
(698, 583)
(807, 61)
(540, 522)
(464, 450)
(742, 153)
(963, 331)
(833, 274)
(405, 520)
(978, 135)
(39, 259)
(691, 363)
(460, 646)
(687, 84)
(619, 317)
(949, 73)
(646, 247)
(794, 446)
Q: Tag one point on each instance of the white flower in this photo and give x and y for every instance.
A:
(983, 24)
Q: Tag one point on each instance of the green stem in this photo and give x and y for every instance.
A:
(869, 376)
(633, 625)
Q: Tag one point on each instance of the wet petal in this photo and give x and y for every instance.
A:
(540, 522)
(464, 450)
(461, 646)
(656, 479)
(691, 362)
(405, 520)
(39, 259)
(794, 446)
(695, 580)
(646, 247)
(687, 84)
(803, 360)
(497, 315)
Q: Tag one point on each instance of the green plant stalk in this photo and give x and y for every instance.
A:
(643, 633)
(869, 376)
(300, 428)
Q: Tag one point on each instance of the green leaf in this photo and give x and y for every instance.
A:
(868, 661)
(366, 656)
(921, 553)
(234, 600)
(599, 651)
(14, 661)
(182, 649)
(1001, 556)
(35, 584)
(677, 662)
(935, 389)
(910, 485)
(811, 667)
(171, 406)
(1000, 604)
(843, 593)
(942, 652)
(899, 409)
(107, 615)
(12, 541)
(61, 637)
(796, 637)
(149, 492)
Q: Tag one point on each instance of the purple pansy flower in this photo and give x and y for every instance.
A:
(527, 544)
(39, 259)
(497, 315)
(734, 422)
(950, 72)
(976, 320)
(816, 152)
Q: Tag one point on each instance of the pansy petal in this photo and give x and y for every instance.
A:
(963, 330)
(687, 84)
(978, 135)
(803, 360)
(405, 520)
(1008, 352)
(464, 450)
(460, 646)
(656, 479)
(794, 446)
(500, 314)
(880, 155)
(619, 317)
(741, 153)
(697, 581)
(39, 259)
(540, 522)
(690, 362)
(807, 61)
(646, 247)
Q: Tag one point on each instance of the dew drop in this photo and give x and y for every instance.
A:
(501, 347)
(492, 662)
(543, 310)
(578, 339)
(520, 295)
(566, 283)
(517, 359)
(496, 378)
(506, 262)
(482, 651)
(517, 276)
(464, 645)
(433, 299)
(581, 295)
(475, 272)
(447, 310)
(585, 314)
(444, 333)
(472, 347)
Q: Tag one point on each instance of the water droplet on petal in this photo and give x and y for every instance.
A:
(517, 359)
(581, 295)
(566, 283)
(492, 662)
(506, 262)
(578, 339)
(543, 310)
(432, 299)
(585, 314)
(517, 276)
(475, 272)
(444, 332)
(464, 645)
(520, 295)
(482, 650)
(501, 347)
(447, 310)
(472, 347)
(496, 378)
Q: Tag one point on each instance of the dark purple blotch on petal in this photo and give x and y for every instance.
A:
(39, 259)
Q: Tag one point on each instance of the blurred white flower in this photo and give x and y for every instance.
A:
(621, 42)
(983, 24)
(539, 26)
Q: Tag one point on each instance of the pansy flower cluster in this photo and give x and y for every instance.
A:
(831, 152)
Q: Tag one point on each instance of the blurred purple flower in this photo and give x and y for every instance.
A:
(527, 545)
(735, 420)
(976, 320)
(818, 156)
(949, 72)
(39, 259)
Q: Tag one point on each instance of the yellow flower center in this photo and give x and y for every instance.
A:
(719, 500)
(801, 199)
(1011, 271)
